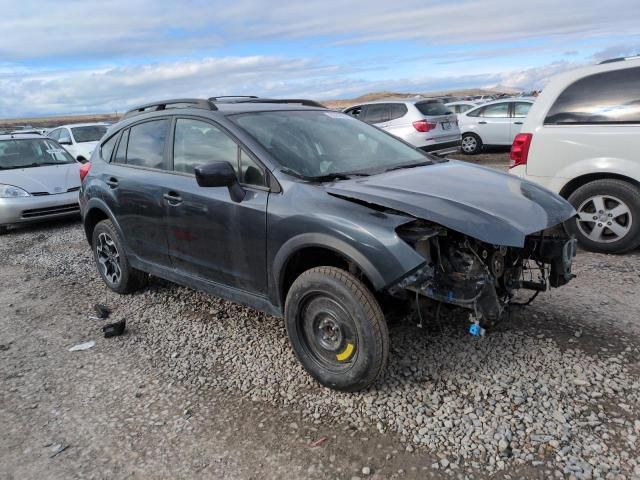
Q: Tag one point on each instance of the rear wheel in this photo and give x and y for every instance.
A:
(471, 144)
(112, 262)
(608, 218)
(337, 329)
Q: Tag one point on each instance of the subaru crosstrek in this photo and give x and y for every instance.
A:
(314, 216)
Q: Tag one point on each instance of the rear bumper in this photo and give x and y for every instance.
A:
(32, 209)
(442, 149)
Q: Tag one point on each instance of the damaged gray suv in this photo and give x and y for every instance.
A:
(314, 216)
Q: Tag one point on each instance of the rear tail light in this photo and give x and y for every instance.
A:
(520, 149)
(424, 126)
(84, 169)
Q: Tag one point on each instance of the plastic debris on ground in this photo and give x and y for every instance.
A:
(114, 329)
(83, 346)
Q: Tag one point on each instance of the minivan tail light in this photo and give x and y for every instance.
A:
(520, 149)
(84, 169)
(424, 126)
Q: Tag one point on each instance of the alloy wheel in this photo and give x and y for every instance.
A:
(604, 219)
(108, 258)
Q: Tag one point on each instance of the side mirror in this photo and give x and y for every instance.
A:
(220, 174)
(64, 141)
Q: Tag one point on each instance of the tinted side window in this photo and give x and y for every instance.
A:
(377, 113)
(354, 112)
(499, 110)
(107, 148)
(146, 144)
(398, 110)
(252, 173)
(463, 108)
(608, 97)
(121, 154)
(475, 113)
(197, 143)
(55, 134)
(521, 109)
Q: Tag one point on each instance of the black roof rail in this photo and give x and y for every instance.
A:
(167, 104)
(619, 59)
(252, 99)
(226, 97)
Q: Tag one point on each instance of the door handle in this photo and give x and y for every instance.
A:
(517, 123)
(482, 123)
(173, 198)
(112, 182)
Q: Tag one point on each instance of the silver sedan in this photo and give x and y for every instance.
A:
(39, 180)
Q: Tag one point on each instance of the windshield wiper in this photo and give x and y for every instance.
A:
(409, 165)
(324, 178)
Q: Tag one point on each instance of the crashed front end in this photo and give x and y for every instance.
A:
(484, 278)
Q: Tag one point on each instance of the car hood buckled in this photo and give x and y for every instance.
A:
(490, 206)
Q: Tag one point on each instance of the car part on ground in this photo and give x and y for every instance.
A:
(581, 139)
(316, 217)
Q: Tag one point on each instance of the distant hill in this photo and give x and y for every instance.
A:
(54, 121)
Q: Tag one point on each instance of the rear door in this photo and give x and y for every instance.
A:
(378, 114)
(209, 235)
(519, 113)
(136, 180)
(494, 124)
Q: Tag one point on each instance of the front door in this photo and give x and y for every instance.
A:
(494, 124)
(209, 235)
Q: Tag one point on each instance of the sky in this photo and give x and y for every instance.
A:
(84, 56)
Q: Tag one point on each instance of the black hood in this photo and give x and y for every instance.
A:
(488, 205)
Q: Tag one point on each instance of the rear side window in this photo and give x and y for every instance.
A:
(521, 109)
(463, 108)
(604, 98)
(354, 112)
(398, 110)
(432, 108)
(146, 144)
(377, 113)
(107, 148)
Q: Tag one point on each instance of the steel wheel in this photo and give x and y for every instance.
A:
(108, 258)
(604, 219)
(329, 334)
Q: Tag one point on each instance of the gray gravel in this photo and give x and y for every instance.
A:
(556, 390)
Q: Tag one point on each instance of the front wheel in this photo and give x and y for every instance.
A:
(608, 217)
(337, 329)
(470, 144)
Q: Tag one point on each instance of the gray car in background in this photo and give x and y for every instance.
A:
(424, 123)
(39, 180)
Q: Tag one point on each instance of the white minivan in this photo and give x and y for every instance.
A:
(581, 139)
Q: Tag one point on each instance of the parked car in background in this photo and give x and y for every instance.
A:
(493, 123)
(424, 123)
(581, 139)
(311, 215)
(34, 131)
(461, 106)
(39, 180)
(79, 139)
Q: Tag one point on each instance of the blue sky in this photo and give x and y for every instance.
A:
(78, 56)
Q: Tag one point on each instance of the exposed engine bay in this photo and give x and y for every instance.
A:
(483, 278)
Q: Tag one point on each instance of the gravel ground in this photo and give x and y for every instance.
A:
(203, 387)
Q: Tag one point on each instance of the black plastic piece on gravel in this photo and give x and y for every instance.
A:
(102, 310)
(114, 329)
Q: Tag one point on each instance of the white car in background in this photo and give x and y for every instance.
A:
(493, 123)
(424, 123)
(79, 139)
(581, 139)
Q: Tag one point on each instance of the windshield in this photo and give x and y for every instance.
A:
(92, 133)
(314, 143)
(32, 153)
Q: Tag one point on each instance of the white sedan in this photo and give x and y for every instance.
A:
(492, 123)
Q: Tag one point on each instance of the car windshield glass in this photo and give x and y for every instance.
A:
(433, 108)
(91, 133)
(32, 153)
(314, 143)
